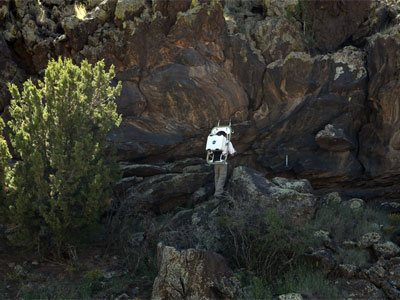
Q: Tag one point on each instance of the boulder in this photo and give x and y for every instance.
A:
(275, 37)
(202, 21)
(385, 274)
(349, 244)
(321, 259)
(194, 228)
(126, 9)
(393, 269)
(387, 249)
(332, 138)
(78, 31)
(170, 9)
(103, 10)
(369, 239)
(164, 192)
(355, 203)
(299, 185)
(191, 274)
(361, 289)
(346, 270)
(249, 185)
(277, 8)
(331, 198)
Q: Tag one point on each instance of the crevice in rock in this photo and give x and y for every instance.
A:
(367, 113)
(258, 10)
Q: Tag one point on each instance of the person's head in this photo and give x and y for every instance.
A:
(221, 133)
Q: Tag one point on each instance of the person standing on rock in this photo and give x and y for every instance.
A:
(221, 170)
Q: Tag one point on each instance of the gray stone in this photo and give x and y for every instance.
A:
(361, 289)
(164, 192)
(321, 259)
(387, 249)
(20, 270)
(355, 203)
(330, 198)
(193, 275)
(114, 273)
(346, 270)
(291, 296)
(322, 234)
(299, 185)
(136, 239)
(333, 138)
(194, 228)
(141, 170)
(126, 8)
(249, 185)
(369, 239)
(349, 244)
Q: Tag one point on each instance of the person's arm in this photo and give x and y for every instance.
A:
(232, 150)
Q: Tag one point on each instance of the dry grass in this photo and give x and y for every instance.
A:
(80, 11)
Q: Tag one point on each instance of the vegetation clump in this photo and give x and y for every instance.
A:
(62, 181)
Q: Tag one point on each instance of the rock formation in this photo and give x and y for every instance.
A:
(185, 65)
(311, 88)
(191, 274)
(289, 85)
(359, 256)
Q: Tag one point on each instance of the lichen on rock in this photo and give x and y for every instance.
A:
(193, 275)
(125, 8)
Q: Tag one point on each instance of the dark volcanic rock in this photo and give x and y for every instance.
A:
(185, 65)
(380, 138)
(165, 192)
(242, 62)
(10, 73)
(183, 100)
(297, 89)
(331, 23)
(362, 289)
(333, 138)
(191, 274)
(131, 102)
(141, 170)
(291, 196)
(195, 95)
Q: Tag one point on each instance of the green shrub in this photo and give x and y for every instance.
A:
(257, 289)
(302, 279)
(64, 178)
(4, 168)
(357, 257)
(52, 290)
(262, 241)
(345, 223)
(308, 281)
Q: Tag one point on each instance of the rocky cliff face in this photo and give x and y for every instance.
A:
(315, 81)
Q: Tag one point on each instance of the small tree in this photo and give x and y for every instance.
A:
(64, 177)
(4, 169)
